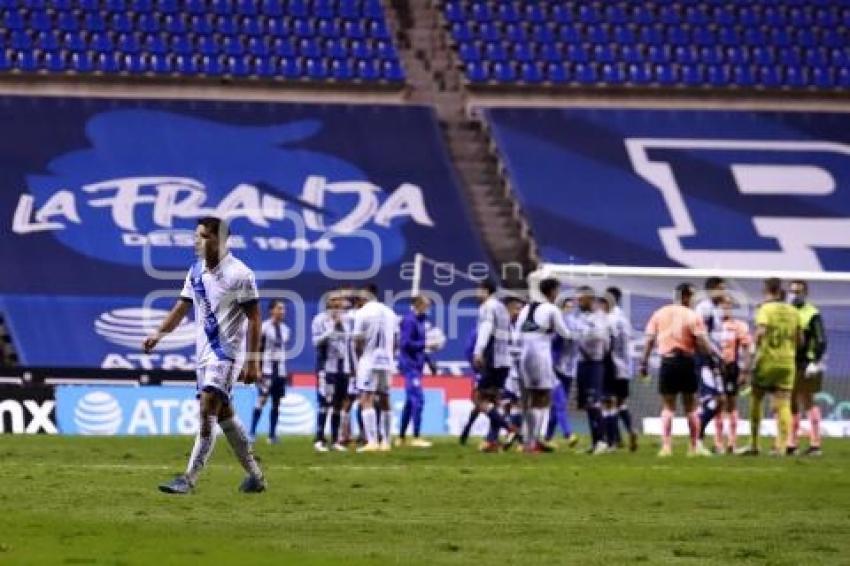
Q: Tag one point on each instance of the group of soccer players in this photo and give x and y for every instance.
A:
(707, 355)
(525, 354)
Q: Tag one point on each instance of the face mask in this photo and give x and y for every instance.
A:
(796, 299)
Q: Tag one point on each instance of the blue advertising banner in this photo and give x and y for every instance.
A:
(693, 188)
(157, 410)
(101, 197)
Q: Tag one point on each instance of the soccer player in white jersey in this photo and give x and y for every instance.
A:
(492, 360)
(331, 330)
(512, 395)
(374, 338)
(592, 334)
(710, 381)
(618, 370)
(225, 296)
(274, 337)
(539, 323)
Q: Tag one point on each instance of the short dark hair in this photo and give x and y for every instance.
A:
(273, 303)
(684, 290)
(510, 299)
(615, 293)
(773, 285)
(713, 283)
(585, 290)
(548, 285)
(801, 283)
(215, 225)
(372, 289)
(488, 285)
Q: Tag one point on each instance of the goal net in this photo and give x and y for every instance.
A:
(646, 289)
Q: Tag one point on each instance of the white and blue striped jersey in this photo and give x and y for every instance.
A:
(621, 335)
(332, 341)
(592, 334)
(494, 332)
(218, 295)
(273, 341)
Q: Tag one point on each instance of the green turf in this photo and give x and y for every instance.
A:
(94, 501)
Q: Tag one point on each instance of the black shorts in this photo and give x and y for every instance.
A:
(589, 377)
(731, 372)
(493, 378)
(609, 379)
(678, 375)
(273, 385)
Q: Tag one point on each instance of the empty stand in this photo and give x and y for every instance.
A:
(312, 40)
(777, 44)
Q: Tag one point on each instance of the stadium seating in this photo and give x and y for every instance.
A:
(313, 40)
(777, 44)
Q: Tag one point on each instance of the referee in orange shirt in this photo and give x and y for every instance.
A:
(678, 332)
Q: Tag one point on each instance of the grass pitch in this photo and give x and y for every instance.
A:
(94, 501)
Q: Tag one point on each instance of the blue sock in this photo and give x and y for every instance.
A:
(417, 419)
(273, 417)
(496, 419)
(516, 420)
(626, 417)
(708, 410)
(405, 420)
(255, 418)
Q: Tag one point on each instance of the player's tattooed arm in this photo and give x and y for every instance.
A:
(177, 314)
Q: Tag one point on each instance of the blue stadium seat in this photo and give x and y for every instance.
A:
(67, 21)
(284, 47)
(128, 43)
(135, 63)
(385, 49)
(686, 54)
(570, 34)
(309, 47)
(367, 70)
(478, 72)
(247, 7)
(185, 65)
(624, 35)
(108, 63)
(202, 24)
(233, 46)
(455, 11)
(21, 41)
(551, 53)
(530, 73)
(577, 54)
(302, 27)
(263, 67)
(82, 63)
(88, 5)
(796, 77)
(736, 55)
(258, 46)
(822, 78)
(790, 56)
(558, 73)
(711, 55)
(480, 12)
(342, 69)
(40, 20)
(392, 71)
(101, 43)
(120, 23)
(692, 75)
(658, 54)
(329, 28)
(156, 44)
(763, 55)
(196, 8)
(666, 75)
(603, 54)
(515, 32)
(372, 9)
(462, 31)
(148, 23)
(616, 14)
(469, 52)
(226, 25)
(543, 33)
(770, 77)
(5, 62)
(503, 72)
(278, 27)
(297, 9)
(508, 13)
(612, 74)
(336, 49)
(743, 76)
(47, 41)
(842, 79)
(54, 61)
(61, 5)
(181, 45)
(26, 61)
(585, 73)
(238, 66)
(141, 7)
(208, 45)
(74, 41)
(535, 14)
(496, 51)
(13, 20)
(639, 74)
(222, 7)
(489, 31)
(32, 5)
(522, 52)
(211, 66)
(597, 34)
(717, 75)
(316, 69)
(167, 6)
(816, 57)
(175, 24)
(562, 14)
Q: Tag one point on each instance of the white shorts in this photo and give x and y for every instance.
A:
(218, 375)
(536, 367)
(372, 380)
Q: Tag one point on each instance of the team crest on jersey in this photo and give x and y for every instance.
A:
(748, 204)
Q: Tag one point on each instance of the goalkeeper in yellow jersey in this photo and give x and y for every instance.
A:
(777, 337)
